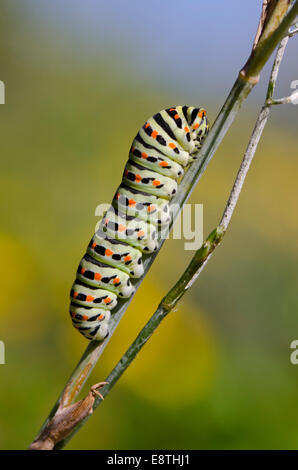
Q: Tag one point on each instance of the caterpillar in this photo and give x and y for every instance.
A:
(160, 153)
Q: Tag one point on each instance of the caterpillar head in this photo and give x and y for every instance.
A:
(198, 126)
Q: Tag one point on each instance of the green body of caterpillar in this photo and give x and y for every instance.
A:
(162, 149)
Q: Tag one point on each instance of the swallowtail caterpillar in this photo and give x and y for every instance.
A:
(163, 148)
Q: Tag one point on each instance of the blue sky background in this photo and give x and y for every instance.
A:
(192, 46)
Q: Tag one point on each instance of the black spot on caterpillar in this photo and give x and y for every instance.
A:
(168, 142)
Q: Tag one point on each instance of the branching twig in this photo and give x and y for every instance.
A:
(293, 98)
(272, 31)
(293, 30)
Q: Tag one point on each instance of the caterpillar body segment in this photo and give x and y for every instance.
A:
(92, 296)
(89, 314)
(116, 253)
(136, 232)
(145, 206)
(94, 331)
(100, 275)
(162, 150)
(167, 146)
(91, 322)
(154, 160)
(149, 181)
(186, 133)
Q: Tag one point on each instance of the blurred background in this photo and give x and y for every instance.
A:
(81, 78)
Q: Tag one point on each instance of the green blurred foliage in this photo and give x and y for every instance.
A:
(217, 373)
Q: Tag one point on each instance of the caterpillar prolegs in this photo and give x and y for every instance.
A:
(163, 148)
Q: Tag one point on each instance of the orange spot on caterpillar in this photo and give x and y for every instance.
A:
(156, 183)
(83, 270)
(196, 126)
(108, 252)
(116, 280)
(121, 228)
(93, 245)
(163, 164)
(127, 258)
(97, 276)
(154, 134)
(100, 317)
(144, 155)
(131, 202)
(117, 196)
(73, 314)
(172, 109)
(138, 178)
(75, 294)
(171, 145)
(126, 172)
(85, 317)
(107, 300)
(176, 116)
(141, 233)
(89, 298)
(147, 125)
(150, 208)
(186, 129)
